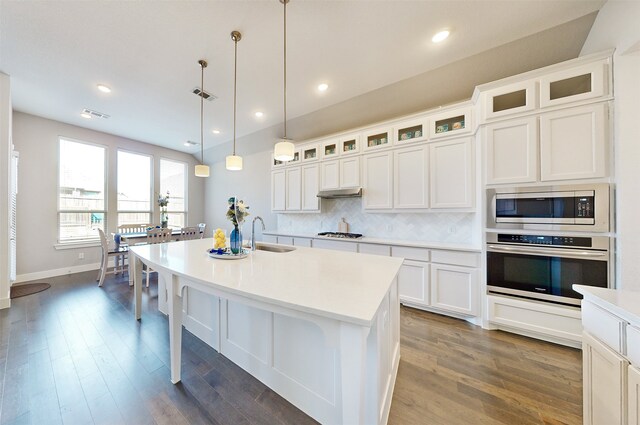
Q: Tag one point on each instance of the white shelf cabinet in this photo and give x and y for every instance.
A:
(377, 138)
(411, 131)
(633, 396)
(511, 99)
(413, 283)
(511, 154)
(573, 143)
(378, 181)
(451, 174)
(278, 190)
(451, 123)
(310, 184)
(604, 383)
(454, 288)
(294, 189)
(411, 178)
(573, 85)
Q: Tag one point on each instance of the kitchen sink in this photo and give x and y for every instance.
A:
(273, 248)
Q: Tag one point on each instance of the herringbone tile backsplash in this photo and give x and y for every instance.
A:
(428, 227)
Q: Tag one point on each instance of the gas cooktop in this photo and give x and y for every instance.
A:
(341, 235)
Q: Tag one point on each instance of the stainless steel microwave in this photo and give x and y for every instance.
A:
(566, 208)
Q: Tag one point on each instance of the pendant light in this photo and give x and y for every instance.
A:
(284, 149)
(201, 169)
(234, 162)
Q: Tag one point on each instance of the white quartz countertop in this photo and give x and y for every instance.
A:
(383, 241)
(339, 285)
(625, 304)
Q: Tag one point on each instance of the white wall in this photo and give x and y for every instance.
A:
(252, 184)
(5, 158)
(617, 26)
(37, 141)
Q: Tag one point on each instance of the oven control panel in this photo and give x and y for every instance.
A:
(546, 240)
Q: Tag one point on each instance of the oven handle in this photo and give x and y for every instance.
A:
(558, 252)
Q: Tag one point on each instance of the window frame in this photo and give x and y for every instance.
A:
(87, 240)
(151, 186)
(185, 166)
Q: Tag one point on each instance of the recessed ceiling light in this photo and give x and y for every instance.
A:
(189, 143)
(216, 131)
(440, 36)
(259, 114)
(323, 87)
(103, 88)
(85, 115)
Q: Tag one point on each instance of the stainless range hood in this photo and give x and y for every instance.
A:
(355, 192)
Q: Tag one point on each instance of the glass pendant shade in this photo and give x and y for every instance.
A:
(234, 162)
(202, 170)
(284, 150)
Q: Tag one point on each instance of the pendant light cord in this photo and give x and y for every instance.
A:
(202, 65)
(235, 79)
(285, 67)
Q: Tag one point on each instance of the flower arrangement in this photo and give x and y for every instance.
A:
(237, 211)
(163, 200)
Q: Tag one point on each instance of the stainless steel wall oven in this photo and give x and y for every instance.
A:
(545, 267)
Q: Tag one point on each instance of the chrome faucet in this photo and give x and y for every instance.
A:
(253, 231)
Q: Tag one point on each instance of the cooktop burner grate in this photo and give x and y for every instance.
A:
(340, 235)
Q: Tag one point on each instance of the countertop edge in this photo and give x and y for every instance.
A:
(380, 241)
(591, 295)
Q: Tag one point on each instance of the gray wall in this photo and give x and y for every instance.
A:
(36, 139)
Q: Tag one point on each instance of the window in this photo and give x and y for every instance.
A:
(134, 188)
(81, 191)
(173, 178)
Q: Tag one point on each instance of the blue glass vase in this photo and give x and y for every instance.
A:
(235, 240)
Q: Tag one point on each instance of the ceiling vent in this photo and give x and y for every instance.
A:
(95, 113)
(205, 95)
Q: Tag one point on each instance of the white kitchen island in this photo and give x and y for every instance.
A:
(319, 327)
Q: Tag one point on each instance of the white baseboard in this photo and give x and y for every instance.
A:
(5, 303)
(56, 272)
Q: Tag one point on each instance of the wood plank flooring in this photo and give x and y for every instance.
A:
(74, 355)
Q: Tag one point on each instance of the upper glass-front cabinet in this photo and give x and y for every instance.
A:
(573, 85)
(330, 148)
(309, 153)
(377, 138)
(451, 123)
(511, 99)
(349, 144)
(410, 131)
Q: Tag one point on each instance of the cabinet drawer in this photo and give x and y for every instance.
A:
(603, 325)
(367, 248)
(285, 240)
(302, 242)
(457, 258)
(419, 254)
(633, 345)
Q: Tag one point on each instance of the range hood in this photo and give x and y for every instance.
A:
(355, 192)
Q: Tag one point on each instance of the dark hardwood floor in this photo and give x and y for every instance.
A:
(74, 354)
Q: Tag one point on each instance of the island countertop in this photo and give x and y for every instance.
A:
(339, 285)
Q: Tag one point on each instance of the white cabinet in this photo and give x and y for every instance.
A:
(411, 131)
(451, 173)
(310, 184)
(454, 288)
(451, 123)
(375, 249)
(411, 178)
(340, 174)
(511, 154)
(336, 245)
(294, 189)
(413, 283)
(377, 138)
(378, 181)
(604, 383)
(633, 396)
(573, 143)
(278, 190)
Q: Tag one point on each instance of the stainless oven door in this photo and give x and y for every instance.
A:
(545, 273)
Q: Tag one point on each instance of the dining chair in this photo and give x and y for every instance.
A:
(119, 254)
(188, 233)
(156, 236)
(125, 229)
(201, 228)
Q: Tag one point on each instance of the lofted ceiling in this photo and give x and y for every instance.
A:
(56, 52)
